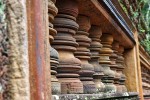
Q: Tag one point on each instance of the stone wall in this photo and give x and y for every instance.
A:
(18, 69)
(3, 50)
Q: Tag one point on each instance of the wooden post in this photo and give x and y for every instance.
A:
(37, 21)
(138, 66)
(133, 69)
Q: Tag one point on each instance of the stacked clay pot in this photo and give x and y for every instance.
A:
(114, 66)
(83, 53)
(105, 53)
(52, 12)
(145, 80)
(65, 44)
(54, 56)
(95, 46)
(120, 63)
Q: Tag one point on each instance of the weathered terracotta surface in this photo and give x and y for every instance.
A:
(68, 7)
(105, 62)
(83, 53)
(145, 80)
(54, 56)
(52, 12)
(54, 61)
(65, 44)
(114, 66)
(95, 46)
(121, 66)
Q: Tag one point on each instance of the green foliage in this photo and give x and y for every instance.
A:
(145, 16)
(146, 44)
(2, 11)
(145, 11)
(2, 47)
(140, 18)
(2, 7)
(123, 7)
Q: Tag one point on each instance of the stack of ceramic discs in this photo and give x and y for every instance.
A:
(54, 63)
(83, 53)
(52, 12)
(145, 80)
(114, 66)
(105, 53)
(120, 62)
(95, 46)
(65, 44)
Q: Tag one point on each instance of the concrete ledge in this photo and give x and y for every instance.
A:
(101, 96)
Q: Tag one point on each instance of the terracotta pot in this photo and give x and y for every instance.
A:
(98, 83)
(106, 38)
(89, 86)
(110, 88)
(69, 7)
(65, 22)
(120, 63)
(71, 85)
(55, 85)
(95, 32)
(65, 44)
(114, 66)
(84, 23)
(52, 33)
(105, 62)
(95, 46)
(143, 76)
(52, 10)
(83, 53)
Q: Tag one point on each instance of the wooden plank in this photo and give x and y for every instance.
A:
(138, 66)
(144, 57)
(130, 70)
(37, 21)
(144, 62)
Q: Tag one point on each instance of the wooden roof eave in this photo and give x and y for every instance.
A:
(124, 15)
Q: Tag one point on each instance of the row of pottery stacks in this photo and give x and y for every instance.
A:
(105, 62)
(121, 66)
(95, 34)
(117, 65)
(145, 80)
(54, 56)
(114, 66)
(89, 61)
(83, 53)
(65, 44)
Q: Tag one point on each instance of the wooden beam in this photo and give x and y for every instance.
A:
(144, 62)
(130, 70)
(37, 21)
